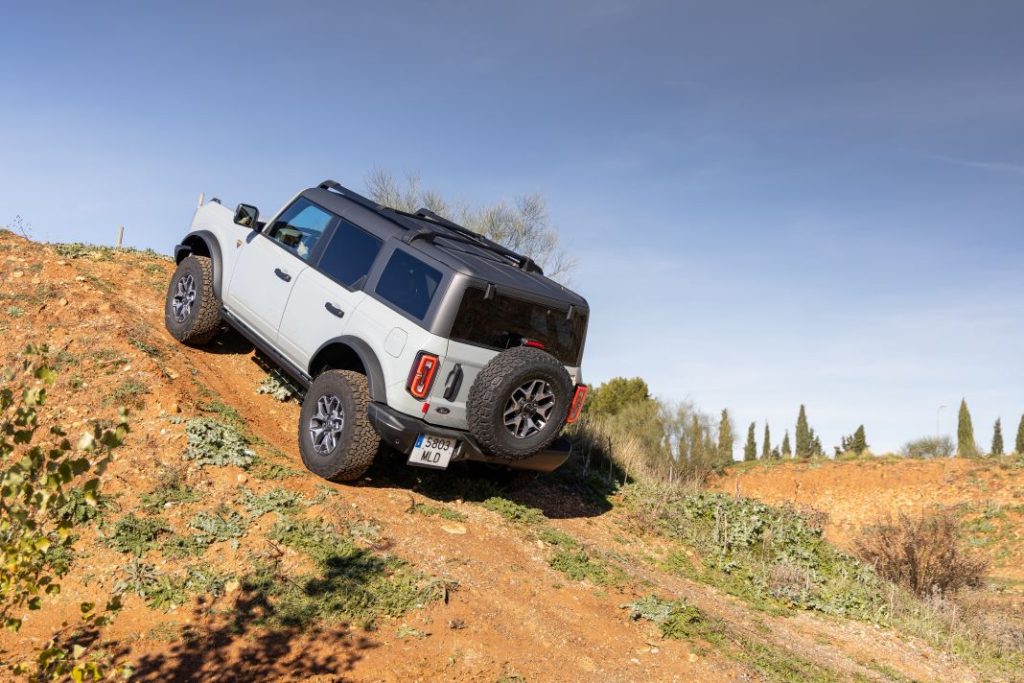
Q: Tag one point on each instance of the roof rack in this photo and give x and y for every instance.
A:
(463, 234)
(457, 232)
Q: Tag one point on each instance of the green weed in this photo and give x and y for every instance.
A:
(275, 500)
(441, 511)
(136, 535)
(214, 443)
(514, 512)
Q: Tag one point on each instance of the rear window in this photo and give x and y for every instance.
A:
(408, 283)
(502, 322)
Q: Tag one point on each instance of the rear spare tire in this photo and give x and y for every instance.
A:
(518, 403)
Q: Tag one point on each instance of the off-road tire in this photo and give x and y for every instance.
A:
(494, 387)
(202, 321)
(357, 443)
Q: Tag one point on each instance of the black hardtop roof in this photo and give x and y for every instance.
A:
(446, 242)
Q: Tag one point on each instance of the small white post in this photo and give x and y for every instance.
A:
(120, 236)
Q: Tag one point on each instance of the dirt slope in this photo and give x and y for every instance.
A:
(989, 492)
(508, 614)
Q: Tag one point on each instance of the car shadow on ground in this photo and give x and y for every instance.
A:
(229, 343)
(576, 489)
(572, 491)
(237, 644)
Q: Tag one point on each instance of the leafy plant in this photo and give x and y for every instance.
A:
(214, 443)
(38, 477)
(171, 488)
(136, 535)
(224, 524)
(514, 512)
(579, 566)
(441, 511)
(275, 500)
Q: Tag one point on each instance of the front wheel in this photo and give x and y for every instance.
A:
(336, 439)
(192, 309)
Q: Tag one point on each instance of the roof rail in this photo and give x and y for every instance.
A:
(350, 194)
(461, 234)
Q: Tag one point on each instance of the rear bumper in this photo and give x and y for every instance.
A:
(399, 431)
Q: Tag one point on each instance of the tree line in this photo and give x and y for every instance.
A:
(665, 438)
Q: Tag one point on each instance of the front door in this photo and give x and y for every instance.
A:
(271, 262)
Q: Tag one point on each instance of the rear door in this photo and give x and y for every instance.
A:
(325, 296)
(271, 262)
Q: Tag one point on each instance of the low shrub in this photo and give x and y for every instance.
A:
(923, 554)
(929, 447)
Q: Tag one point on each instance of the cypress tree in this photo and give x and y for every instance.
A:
(725, 439)
(997, 438)
(788, 452)
(1019, 446)
(750, 450)
(860, 441)
(966, 447)
(766, 449)
(803, 435)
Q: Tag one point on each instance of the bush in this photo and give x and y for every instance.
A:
(929, 447)
(923, 554)
(44, 480)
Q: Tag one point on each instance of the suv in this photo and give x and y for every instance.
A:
(400, 328)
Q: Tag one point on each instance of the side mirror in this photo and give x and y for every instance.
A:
(247, 216)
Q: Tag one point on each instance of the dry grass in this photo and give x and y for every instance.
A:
(923, 554)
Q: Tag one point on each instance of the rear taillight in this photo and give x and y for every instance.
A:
(577, 403)
(422, 375)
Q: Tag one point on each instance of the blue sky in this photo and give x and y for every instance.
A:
(771, 203)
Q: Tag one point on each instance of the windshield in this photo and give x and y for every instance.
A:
(502, 322)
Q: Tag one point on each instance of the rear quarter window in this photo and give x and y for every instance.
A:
(408, 283)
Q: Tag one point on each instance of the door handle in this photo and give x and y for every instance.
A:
(334, 310)
(282, 274)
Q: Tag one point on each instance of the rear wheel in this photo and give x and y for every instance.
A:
(518, 403)
(192, 309)
(336, 439)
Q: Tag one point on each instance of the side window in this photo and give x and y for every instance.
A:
(408, 283)
(349, 254)
(299, 228)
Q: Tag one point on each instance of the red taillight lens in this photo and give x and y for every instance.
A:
(577, 403)
(422, 376)
(534, 344)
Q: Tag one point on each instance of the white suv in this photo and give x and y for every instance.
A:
(402, 328)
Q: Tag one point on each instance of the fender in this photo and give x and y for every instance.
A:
(365, 355)
(196, 242)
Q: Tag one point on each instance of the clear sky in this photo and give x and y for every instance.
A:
(772, 203)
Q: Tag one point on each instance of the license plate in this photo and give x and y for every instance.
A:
(432, 451)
